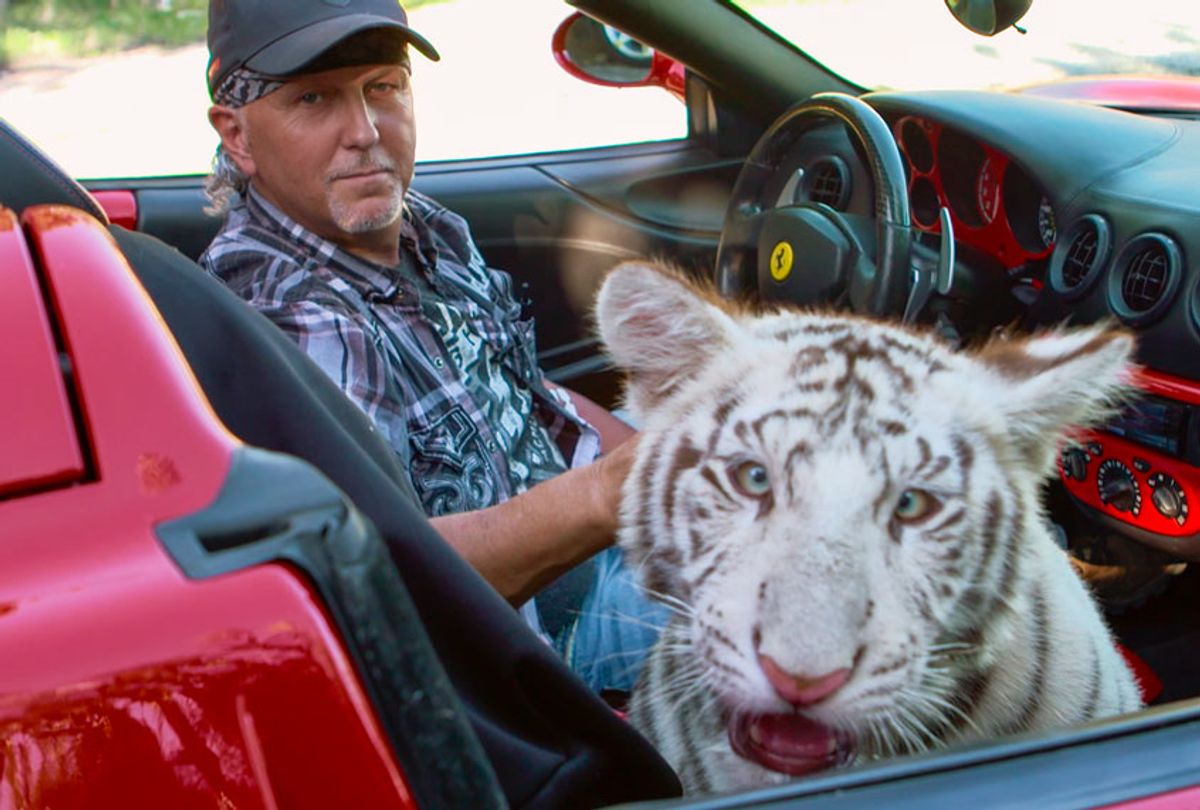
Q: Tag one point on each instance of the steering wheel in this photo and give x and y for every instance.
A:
(811, 252)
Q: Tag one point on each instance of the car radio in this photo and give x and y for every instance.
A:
(1159, 423)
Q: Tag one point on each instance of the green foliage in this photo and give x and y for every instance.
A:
(86, 27)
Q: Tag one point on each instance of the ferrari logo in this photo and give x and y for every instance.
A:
(781, 261)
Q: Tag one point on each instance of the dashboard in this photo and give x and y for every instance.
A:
(1082, 214)
(994, 205)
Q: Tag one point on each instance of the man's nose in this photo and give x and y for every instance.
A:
(360, 127)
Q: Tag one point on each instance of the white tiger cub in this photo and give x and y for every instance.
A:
(845, 517)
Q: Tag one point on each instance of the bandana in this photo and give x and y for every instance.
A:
(243, 86)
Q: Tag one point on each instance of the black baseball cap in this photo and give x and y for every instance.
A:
(280, 37)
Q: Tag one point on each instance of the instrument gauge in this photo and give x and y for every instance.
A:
(987, 190)
(1046, 224)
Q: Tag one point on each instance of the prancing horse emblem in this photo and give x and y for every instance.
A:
(781, 261)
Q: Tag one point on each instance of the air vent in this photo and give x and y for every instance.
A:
(1146, 278)
(828, 181)
(1080, 256)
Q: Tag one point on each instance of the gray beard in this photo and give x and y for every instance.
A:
(350, 222)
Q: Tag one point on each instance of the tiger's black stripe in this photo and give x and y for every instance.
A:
(1009, 573)
(661, 571)
(685, 457)
(713, 565)
(646, 512)
(806, 359)
(1088, 709)
(721, 414)
(966, 459)
(856, 350)
(885, 492)
(801, 451)
(757, 424)
(954, 519)
(940, 464)
(708, 475)
(1041, 660)
(721, 638)
(993, 514)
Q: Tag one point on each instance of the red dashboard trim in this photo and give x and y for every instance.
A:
(1167, 385)
(994, 234)
(1148, 468)
(1131, 455)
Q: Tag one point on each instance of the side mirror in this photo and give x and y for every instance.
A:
(988, 17)
(601, 54)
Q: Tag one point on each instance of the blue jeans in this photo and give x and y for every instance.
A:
(617, 625)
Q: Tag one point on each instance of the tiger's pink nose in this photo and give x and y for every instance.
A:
(800, 690)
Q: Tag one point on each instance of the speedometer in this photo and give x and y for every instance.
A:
(987, 190)
(1047, 227)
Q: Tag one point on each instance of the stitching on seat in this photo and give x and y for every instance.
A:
(50, 171)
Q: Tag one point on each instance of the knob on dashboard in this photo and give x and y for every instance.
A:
(1074, 463)
(1166, 501)
(1168, 497)
(1117, 487)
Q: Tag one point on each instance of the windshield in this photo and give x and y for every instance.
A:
(918, 45)
(115, 88)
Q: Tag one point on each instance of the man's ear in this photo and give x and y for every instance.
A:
(230, 126)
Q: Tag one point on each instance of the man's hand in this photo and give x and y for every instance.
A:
(524, 544)
(611, 470)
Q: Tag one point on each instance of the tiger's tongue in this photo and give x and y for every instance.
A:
(789, 743)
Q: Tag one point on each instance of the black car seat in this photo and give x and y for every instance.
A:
(30, 177)
(548, 740)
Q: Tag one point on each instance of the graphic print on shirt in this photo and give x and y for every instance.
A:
(450, 466)
(507, 404)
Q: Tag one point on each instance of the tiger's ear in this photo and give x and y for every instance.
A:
(1050, 382)
(659, 329)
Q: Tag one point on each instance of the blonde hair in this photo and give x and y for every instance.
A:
(224, 185)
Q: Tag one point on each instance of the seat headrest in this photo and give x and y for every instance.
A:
(30, 177)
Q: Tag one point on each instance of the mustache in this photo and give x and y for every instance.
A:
(365, 165)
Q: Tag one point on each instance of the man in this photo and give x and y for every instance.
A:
(385, 290)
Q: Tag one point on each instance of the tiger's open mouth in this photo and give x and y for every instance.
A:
(789, 743)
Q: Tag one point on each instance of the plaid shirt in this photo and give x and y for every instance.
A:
(434, 351)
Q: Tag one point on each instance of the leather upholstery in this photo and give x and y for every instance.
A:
(30, 177)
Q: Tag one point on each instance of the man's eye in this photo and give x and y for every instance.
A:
(311, 97)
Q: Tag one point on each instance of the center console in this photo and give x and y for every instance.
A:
(1140, 472)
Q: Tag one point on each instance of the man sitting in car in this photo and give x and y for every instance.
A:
(386, 291)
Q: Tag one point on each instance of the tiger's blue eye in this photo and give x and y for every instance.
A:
(751, 479)
(915, 505)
